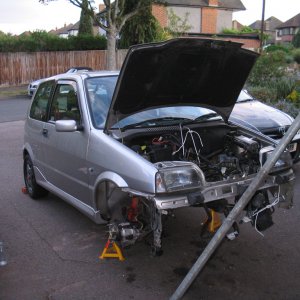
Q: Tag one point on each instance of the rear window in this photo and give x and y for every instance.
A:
(40, 104)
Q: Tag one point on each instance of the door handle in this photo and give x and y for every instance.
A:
(45, 132)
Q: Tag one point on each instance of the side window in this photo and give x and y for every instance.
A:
(65, 104)
(41, 101)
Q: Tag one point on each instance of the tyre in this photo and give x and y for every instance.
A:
(34, 190)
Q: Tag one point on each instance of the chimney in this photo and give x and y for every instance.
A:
(267, 25)
(213, 2)
(101, 7)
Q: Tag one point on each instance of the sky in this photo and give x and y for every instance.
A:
(282, 10)
(17, 16)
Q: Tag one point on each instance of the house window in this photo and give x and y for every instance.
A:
(285, 31)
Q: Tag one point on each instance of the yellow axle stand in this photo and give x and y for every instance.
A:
(112, 250)
(213, 222)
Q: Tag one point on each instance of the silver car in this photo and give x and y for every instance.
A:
(130, 148)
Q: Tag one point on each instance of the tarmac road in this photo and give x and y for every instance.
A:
(52, 249)
(13, 109)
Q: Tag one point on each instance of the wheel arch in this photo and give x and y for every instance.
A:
(105, 183)
(28, 151)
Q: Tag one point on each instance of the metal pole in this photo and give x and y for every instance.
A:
(240, 205)
(262, 28)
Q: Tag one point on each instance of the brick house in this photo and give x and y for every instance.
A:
(286, 31)
(203, 16)
(207, 18)
(270, 26)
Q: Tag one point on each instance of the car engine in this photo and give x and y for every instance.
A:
(218, 156)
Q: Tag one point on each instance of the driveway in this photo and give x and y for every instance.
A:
(53, 250)
(13, 109)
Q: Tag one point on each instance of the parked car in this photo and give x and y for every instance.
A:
(34, 84)
(78, 69)
(130, 148)
(258, 116)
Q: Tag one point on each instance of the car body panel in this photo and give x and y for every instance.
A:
(136, 172)
(258, 116)
(66, 165)
(181, 72)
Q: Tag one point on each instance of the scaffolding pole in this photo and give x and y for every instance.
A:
(237, 209)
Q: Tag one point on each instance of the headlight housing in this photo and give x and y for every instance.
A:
(284, 161)
(177, 179)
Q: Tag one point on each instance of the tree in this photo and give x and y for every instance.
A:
(111, 20)
(178, 26)
(141, 28)
(86, 22)
(296, 40)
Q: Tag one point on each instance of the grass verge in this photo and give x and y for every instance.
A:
(13, 92)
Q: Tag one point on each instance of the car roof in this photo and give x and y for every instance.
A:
(83, 75)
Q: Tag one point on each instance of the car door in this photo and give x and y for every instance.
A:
(34, 125)
(66, 151)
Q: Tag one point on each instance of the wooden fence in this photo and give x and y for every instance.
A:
(21, 67)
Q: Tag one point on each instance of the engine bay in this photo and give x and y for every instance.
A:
(221, 152)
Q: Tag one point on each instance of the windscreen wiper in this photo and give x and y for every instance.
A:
(157, 122)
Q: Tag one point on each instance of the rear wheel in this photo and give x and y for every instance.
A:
(34, 190)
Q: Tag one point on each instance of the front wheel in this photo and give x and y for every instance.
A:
(34, 190)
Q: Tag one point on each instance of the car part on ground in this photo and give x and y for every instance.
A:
(130, 148)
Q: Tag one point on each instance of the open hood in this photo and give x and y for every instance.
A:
(181, 72)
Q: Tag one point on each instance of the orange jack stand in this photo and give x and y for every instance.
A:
(213, 222)
(112, 250)
(24, 190)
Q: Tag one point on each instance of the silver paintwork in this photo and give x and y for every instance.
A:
(65, 126)
(72, 163)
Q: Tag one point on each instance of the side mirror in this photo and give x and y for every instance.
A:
(67, 126)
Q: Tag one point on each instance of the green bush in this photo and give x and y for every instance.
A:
(283, 87)
(268, 96)
(87, 42)
(269, 67)
(274, 90)
(294, 96)
(244, 29)
(43, 41)
(296, 54)
(289, 59)
(296, 40)
(286, 106)
(262, 93)
(286, 48)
